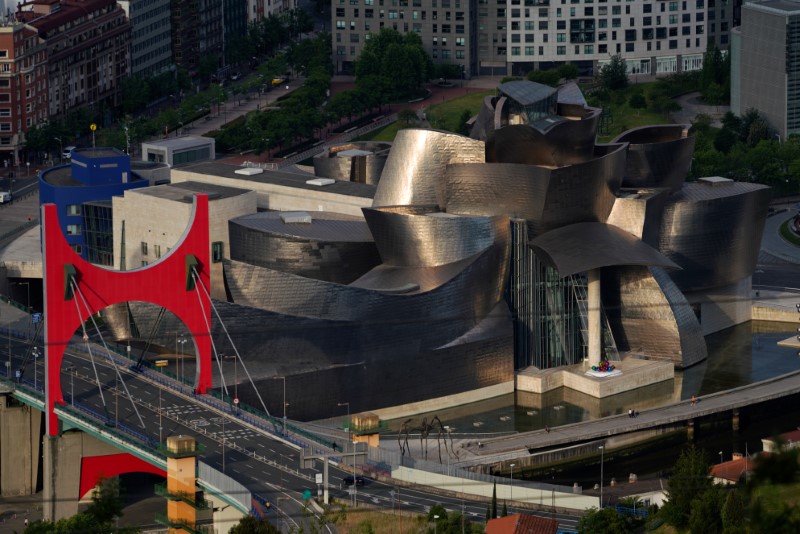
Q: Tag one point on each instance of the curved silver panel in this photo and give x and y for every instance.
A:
(658, 156)
(414, 236)
(332, 247)
(713, 231)
(545, 198)
(651, 317)
(417, 163)
(360, 162)
(563, 143)
(580, 247)
(484, 120)
(639, 211)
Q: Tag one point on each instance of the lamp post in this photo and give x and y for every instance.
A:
(35, 368)
(435, 521)
(183, 367)
(720, 457)
(350, 439)
(284, 402)
(602, 449)
(512, 481)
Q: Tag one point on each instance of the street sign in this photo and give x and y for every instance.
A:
(306, 495)
(318, 476)
(36, 318)
(93, 127)
(236, 400)
(162, 363)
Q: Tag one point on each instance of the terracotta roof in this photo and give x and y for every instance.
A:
(791, 437)
(522, 524)
(732, 470)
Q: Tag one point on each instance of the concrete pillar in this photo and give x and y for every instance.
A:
(690, 430)
(593, 297)
(20, 453)
(735, 420)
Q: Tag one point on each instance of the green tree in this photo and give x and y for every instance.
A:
(637, 101)
(706, 514)
(135, 94)
(568, 71)
(400, 60)
(463, 122)
(252, 525)
(689, 480)
(494, 501)
(733, 511)
(605, 521)
(614, 74)
(549, 77)
(504, 513)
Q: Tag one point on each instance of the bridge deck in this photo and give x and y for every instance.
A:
(520, 445)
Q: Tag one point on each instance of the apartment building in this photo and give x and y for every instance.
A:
(447, 28)
(501, 37)
(86, 45)
(23, 87)
(151, 35)
(765, 72)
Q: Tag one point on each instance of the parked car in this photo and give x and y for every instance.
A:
(278, 81)
(5, 197)
(236, 75)
(348, 480)
(67, 154)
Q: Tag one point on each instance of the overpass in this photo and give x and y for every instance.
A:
(542, 446)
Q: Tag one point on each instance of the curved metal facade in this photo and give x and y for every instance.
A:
(546, 198)
(714, 232)
(413, 237)
(333, 248)
(658, 156)
(353, 162)
(417, 160)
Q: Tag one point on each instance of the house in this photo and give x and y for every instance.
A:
(790, 440)
(731, 471)
(522, 524)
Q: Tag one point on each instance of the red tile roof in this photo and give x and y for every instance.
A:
(522, 524)
(732, 470)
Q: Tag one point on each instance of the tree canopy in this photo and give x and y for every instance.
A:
(398, 60)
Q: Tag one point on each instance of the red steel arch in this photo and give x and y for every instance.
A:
(167, 283)
(96, 468)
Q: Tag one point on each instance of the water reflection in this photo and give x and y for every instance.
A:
(737, 356)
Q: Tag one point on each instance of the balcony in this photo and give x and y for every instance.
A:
(162, 519)
(188, 498)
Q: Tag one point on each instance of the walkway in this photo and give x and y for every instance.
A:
(772, 243)
(521, 445)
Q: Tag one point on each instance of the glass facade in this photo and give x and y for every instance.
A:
(99, 229)
(793, 75)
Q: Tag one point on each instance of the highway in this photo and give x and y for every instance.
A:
(261, 462)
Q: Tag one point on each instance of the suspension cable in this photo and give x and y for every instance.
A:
(77, 291)
(89, 349)
(199, 282)
(210, 337)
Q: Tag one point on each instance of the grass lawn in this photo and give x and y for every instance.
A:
(788, 235)
(358, 521)
(446, 116)
(775, 496)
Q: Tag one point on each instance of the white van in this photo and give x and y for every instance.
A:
(5, 197)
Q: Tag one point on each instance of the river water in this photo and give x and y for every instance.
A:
(738, 356)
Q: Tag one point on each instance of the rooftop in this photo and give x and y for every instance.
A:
(184, 191)
(283, 178)
(779, 7)
(185, 141)
(324, 226)
(526, 93)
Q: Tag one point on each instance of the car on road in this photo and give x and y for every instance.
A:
(67, 154)
(278, 81)
(236, 76)
(5, 197)
(348, 480)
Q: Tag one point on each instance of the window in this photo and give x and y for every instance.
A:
(459, 41)
(588, 49)
(216, 251)
(514, 50)
(530, 50)
(561, 50)
(73, 209)
(77, 248)
(73, 229)
(145, 263)
(157, 250)
(144, 247)
(561, 37)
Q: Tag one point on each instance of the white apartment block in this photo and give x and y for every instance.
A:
(501, 37)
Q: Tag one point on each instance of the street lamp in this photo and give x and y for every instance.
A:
(284, 402)
(35, 368)
(720, 456)
(349, 437)
(602, 449)
(435, 521)
(512, 481)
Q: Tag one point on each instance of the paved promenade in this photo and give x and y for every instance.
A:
(519, 445)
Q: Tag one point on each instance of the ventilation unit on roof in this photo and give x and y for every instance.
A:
(321, 181)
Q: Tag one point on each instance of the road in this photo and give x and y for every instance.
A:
(264, 464)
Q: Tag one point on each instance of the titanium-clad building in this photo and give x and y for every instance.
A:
(527, 245)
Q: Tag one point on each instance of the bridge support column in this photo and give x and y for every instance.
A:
(62, 464)
(595, 335)
(735, 420)
(690, 429)
(20, 438)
